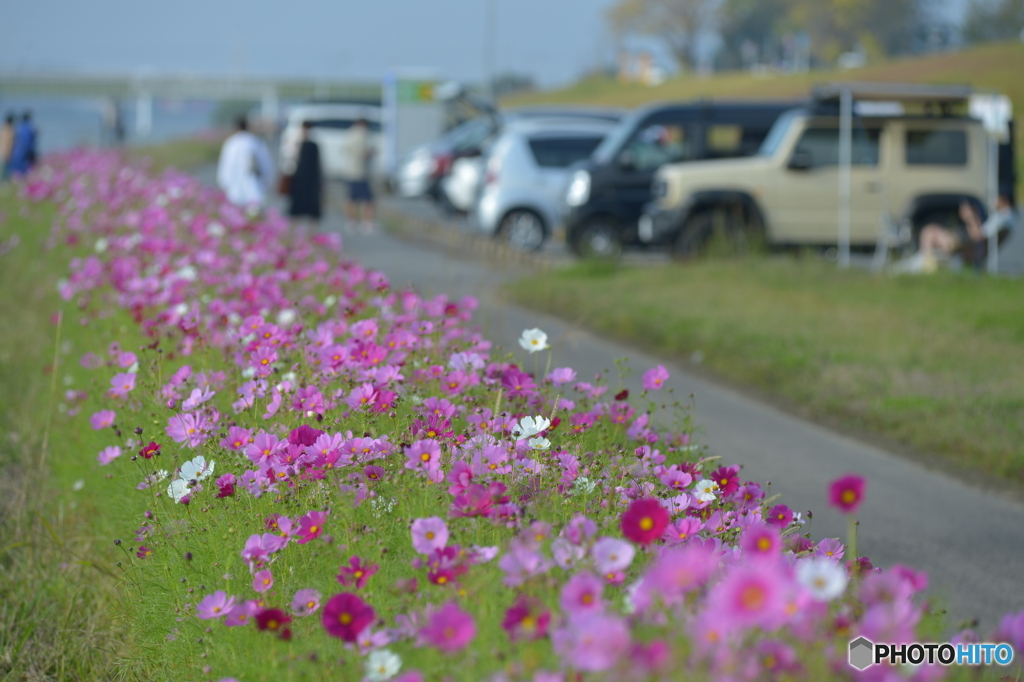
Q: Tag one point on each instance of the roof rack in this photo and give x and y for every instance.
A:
(899, 92)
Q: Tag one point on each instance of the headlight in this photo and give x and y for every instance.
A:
(579, 189)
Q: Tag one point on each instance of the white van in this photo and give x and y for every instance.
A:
(330, 126)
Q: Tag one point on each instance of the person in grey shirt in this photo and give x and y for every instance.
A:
(359, 208)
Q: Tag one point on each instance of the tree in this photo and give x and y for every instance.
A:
(988, 20)
(675, 22)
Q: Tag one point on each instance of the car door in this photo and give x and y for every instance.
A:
(807, 189)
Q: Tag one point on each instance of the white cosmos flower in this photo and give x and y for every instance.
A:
(177, 489)
(286, 316)
(101, 245)
(705, 490)
(539, 443)
(533, 340)
(382, 664)
(197, 469)
(530, 426)
(824, 579)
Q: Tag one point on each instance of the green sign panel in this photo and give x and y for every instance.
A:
(414, 92)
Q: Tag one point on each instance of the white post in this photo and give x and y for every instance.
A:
(993, 199)
(490, 46)
(143, 113)
(269, 107)
(845, 149)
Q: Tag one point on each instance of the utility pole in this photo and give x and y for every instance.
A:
(490, 45)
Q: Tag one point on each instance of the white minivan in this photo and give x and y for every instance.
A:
(330, 124)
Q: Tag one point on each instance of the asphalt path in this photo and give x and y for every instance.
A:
(970, 540)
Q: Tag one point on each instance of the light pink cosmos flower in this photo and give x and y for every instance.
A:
(751, 595)
(108, 455)
(122, 384)
(449, 628)
(655, 378)
(215, 605)
(306, 602)
(581, 596)
(592, 644)
(242, 613)
(262, 580)
(612, 555)
(423, 455)
(429, 534)
(102, 419)
(562, 375)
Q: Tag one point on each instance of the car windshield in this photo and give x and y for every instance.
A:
(774, 139)
(610, 146)
(470, 134)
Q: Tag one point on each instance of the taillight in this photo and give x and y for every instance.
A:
(442, 163)
(491, 178)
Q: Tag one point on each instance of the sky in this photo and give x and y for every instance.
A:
(553, 40)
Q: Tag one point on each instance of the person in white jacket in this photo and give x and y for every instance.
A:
(245, 170)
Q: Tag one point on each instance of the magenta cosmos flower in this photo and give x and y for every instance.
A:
(311, 526)
(356, 573)
(644, 521)
(655, 378)
(847, 493)
(450, 628)
(526, 619)
(429, 534)
(215, 605)
(345, 616)
(762, 540)
(274, 620)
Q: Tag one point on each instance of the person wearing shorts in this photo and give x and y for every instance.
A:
(360, 196)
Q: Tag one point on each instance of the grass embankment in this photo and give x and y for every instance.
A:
(56, 585)
(936, 363)
(988, 67)
(185, 154)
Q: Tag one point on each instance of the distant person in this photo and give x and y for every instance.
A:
(306, 186)
(245, 169)
(23, 152)
(360, 196)
(6, 145)
(969, 239)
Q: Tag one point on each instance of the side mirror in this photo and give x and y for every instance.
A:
(801, 160)
(626, 160)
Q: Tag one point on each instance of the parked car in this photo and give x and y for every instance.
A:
(525, 176)
(330, 123)
(915, 168)
(605, 197)
(423, 172)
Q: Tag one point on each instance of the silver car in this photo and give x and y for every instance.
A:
(526, 174)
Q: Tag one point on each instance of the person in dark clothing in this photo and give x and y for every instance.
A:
(306, 187)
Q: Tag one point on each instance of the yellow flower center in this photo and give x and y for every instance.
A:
(849, 497)
(646, 523)
(345, 618)
(753, 597)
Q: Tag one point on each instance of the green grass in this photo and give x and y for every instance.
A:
(184, 154)
(995, 66)
(935, 363)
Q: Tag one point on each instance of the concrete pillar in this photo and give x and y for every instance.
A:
(143, 113)
(269, 108)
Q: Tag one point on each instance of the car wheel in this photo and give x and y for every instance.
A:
(523, 230)
(691, 241)
(598, 239)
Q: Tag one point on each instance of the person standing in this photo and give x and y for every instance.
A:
(245, 168)
(306, 187)
(360, 196)
(6, 146)
(23, 152)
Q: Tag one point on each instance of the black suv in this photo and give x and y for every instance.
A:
(607, 192)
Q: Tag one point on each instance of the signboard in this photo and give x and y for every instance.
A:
(413, 114)
(994, 111)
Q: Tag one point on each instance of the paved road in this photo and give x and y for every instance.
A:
(969, 540)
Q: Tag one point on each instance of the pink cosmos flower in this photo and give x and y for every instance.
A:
(242, 613)
(423, 455)
(592, 644)
(682, 530)
(429, 534)
(830, 548)
(581, 596)
(262, 580)
(345, 616)
(1011, 631)
(215, 605)
(846, 493)
(306, 602)
(356, 573)
(122, 384)
(102, 419)
(678, 571)
(108, 455)
(449, 628)
(644, 521)
(780, 515)
(274, 620)
(655, 378)
(612, 555)
(562, 375)
(226, 485)
(311, 526)
(751, 595)
(526, 619)
(762, 540)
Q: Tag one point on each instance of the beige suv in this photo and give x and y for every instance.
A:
(914, 169)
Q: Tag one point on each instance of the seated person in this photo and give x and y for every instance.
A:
(970, 239)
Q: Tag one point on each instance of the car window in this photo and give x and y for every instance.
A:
(724, 140)
(822, 146)
(611, 144)
(936, 147)
(560, 152)
(779, 129)
(342, 124)
(657, 144)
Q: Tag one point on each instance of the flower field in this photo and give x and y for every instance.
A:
(317, 476)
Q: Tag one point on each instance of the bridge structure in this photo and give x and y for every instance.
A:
(144, 88)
